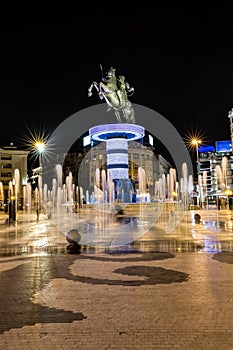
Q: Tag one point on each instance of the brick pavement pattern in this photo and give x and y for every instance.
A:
(117, 301)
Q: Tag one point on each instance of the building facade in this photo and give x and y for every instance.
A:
(216, 170)
(12, 158)
(83, 165)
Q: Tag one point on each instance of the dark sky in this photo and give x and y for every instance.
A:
(179, 61)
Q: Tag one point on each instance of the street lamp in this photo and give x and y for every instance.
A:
(195, 142)
(40, 148)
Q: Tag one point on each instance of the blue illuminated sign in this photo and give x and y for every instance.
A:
(223, 146)
(205, 149)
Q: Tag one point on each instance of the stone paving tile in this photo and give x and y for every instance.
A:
(158, 311)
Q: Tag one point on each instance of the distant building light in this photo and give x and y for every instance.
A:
(151, 140)
(86, 140)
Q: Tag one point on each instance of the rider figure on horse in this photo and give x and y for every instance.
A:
(115, 92)
(124, 90)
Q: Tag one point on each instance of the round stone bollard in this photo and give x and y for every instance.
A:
(197, 218)
(73, 237)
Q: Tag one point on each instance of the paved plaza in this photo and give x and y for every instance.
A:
(166, 291)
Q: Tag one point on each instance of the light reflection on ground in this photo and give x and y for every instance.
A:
(213, 233)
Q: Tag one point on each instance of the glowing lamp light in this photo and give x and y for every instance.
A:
(40, 146)
(195, 142)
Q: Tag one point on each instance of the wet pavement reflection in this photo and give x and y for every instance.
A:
(213, 232)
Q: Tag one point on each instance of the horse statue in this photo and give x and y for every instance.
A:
(115, 92)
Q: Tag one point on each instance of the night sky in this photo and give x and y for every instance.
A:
(179, 61)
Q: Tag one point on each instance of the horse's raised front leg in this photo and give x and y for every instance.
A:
(94, 84)
(90, 90)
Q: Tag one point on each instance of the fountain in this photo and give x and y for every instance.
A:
(109, 218)
(222, 185)
(96, 224)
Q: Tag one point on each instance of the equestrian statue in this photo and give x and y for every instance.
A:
(115, 91)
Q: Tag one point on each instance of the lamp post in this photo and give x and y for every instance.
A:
(195, 142)
(40, 148)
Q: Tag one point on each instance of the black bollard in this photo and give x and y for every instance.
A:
(12, 212)
(73, 237)
(197, 218)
